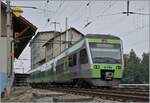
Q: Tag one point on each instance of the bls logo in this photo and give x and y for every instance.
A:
(104, 41)
(118, 67)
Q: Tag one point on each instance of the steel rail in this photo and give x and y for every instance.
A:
(143, 93)
(107, 94)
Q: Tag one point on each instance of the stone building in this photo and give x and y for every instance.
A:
(37, 49)
(58, 43)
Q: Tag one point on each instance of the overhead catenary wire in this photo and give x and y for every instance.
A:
(109, 15)
(139, 26)
(136, 13)
(134, 30)
(77, 10)
(138, 43)
(122, 19)
(60, 5)
(48, 19)
(57, 9)
(33, 7)
(113, 15)
(87, 4)
(102, 14)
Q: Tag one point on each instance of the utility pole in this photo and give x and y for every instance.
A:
(128, 4)
(9, 48)
(8, 34)
(67, 37)
(55, 24)
(8, 25)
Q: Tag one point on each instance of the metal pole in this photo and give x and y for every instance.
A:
(9, 45)
(67, 33)
(55, 26)
(128, 7)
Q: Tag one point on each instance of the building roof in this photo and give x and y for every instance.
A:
(25, 31)
(72, 28)
(62, 34)
(41, 33)
(102, 35)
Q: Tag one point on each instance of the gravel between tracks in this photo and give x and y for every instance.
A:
(19, 94)
(27, 94)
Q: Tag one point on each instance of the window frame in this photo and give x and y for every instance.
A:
(73, 60)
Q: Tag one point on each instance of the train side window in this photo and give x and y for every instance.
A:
(60, 65)
(59, 68)
(72, 60)
(83, 59)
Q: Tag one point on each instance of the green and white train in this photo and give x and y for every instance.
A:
(94, 60)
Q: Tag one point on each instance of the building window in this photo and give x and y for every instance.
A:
(49, 46)
(83, 57)
(72, 60)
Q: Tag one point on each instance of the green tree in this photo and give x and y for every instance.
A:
(132, 63)
(125, 74)
(145, 67)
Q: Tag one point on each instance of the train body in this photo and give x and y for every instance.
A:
(95, 60)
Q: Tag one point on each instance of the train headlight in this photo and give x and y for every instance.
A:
(96, 66)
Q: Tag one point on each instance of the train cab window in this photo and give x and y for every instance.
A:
(83, 57)
(72, 60)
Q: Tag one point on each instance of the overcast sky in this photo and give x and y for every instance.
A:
(104, 15)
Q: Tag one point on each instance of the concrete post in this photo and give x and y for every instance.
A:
(9, 48)
(8, 11)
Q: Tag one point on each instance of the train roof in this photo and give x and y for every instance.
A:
(102, 36)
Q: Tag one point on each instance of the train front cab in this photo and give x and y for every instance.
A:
(106, 60)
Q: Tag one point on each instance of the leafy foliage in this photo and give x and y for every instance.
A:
(136, 69)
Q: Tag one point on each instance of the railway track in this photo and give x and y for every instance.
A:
(110, 94)
(140, 93)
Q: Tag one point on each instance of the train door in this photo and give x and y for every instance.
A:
(66, 69)
(52, 72)
(83, 62)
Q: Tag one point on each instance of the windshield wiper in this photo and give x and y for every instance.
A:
(99, 60)
(106, 60)
(116, 60)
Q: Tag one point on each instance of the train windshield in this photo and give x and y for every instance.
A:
(105, 53)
